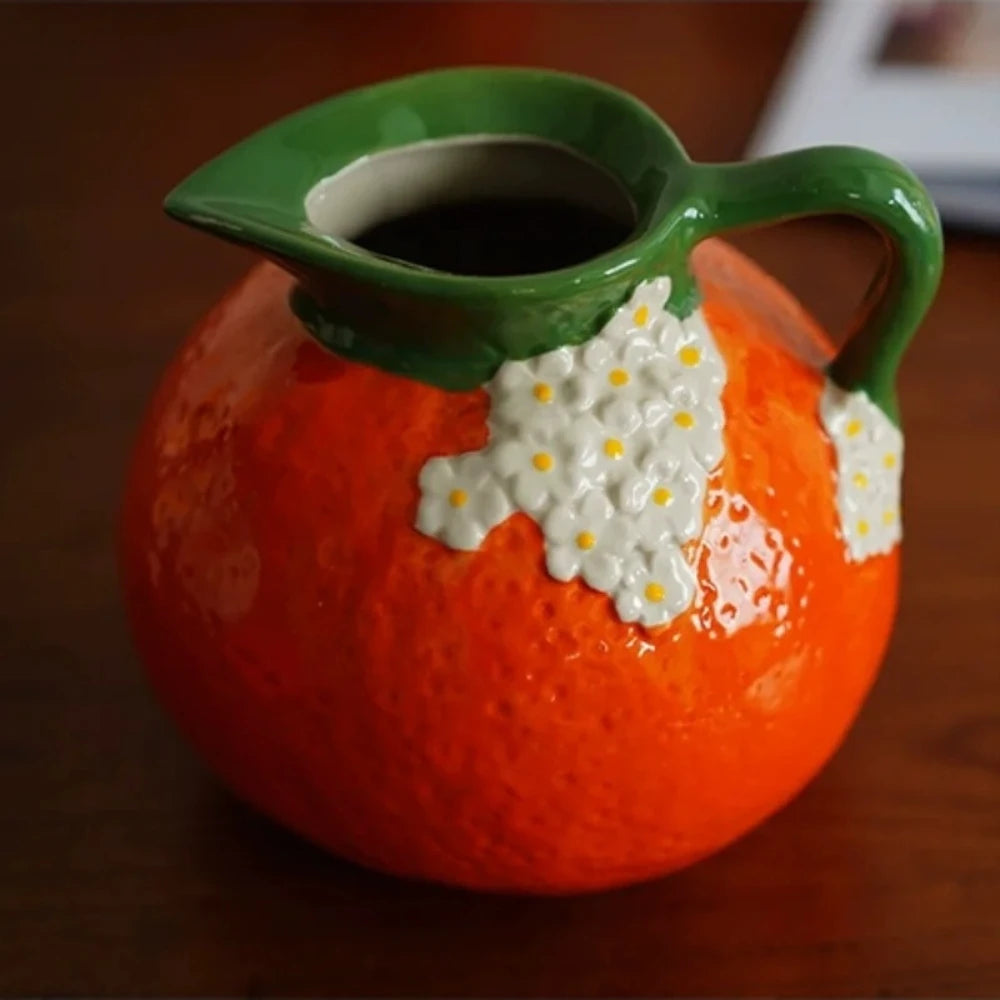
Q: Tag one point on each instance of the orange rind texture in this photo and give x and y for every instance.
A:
(462, 716)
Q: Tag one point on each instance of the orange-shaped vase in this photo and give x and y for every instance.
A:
(500, 531)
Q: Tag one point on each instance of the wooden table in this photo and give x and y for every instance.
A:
(125, 870)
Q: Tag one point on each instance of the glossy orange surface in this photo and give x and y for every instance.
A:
(462, 716)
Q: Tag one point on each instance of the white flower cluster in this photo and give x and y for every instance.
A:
(869, 450)
(608, 447)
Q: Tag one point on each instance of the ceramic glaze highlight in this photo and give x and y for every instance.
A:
(608, 448)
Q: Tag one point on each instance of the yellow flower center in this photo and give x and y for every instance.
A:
(458, 498)
(655, 592)
(685, 420)
(542, 461)
(618, 376)
(889, 461)
(854, 428)
(889, 517)
(689, 356)
(613, 448)
(662, 496)
(543, 392)
(860, 480)
(641, 316)
(586, 540)
(863, 528)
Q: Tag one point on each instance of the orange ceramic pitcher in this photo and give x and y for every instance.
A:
(505, 529)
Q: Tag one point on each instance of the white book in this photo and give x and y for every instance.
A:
(918, 80)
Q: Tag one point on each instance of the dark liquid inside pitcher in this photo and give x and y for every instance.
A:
(497, 236)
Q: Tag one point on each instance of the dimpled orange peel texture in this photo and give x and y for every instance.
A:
(462, 716)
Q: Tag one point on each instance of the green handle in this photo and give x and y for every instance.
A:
(845, 181)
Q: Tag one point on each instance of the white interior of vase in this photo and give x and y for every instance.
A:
(397, 182)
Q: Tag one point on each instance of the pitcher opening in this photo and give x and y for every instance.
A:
(481, 205)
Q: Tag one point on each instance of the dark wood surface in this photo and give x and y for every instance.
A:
(124, 869)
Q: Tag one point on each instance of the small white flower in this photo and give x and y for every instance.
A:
(685, 425)
(841, 410)
(690, 352)
(856, 423)
(599, 454)
(596, 393)
(663, 508)
(610, 373)
(869, 536)
(529, 396)
(587, 539)
(870, 513)
(536, 471)
(860, 484)
(642, 312)
(461, 500)
(654, 589)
